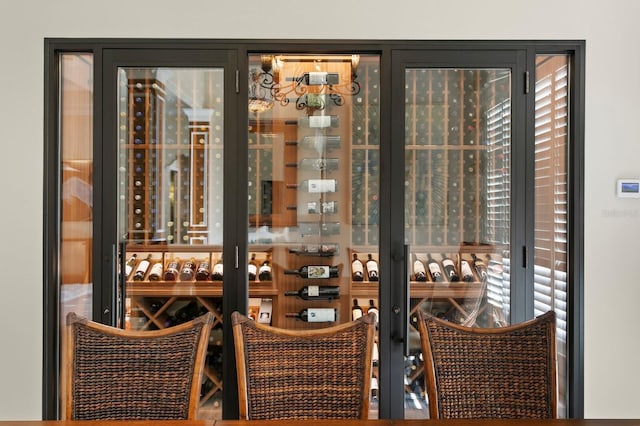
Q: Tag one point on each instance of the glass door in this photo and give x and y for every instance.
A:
(313, 189)
(459, 214)
(170, 133)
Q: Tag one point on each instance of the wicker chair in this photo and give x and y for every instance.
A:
(507, 372)
(303, 374)
(110, 373)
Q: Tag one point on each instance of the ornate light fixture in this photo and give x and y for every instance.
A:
(266, 85)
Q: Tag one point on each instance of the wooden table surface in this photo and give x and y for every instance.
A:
(559, 422)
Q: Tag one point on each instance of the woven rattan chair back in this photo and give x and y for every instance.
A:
(507, 372)
(303, 374)
(112, 373)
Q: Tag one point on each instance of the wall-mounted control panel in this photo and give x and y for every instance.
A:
(628, 188)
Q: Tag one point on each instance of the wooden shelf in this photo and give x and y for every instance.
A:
(193, 288)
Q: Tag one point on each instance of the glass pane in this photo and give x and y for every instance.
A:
(313, 179)
(457, 202)
(76, 207)
(551, 196)
(170, 203)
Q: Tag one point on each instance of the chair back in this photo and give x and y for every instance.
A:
(506, 372)
(303, 374)
(110, 373)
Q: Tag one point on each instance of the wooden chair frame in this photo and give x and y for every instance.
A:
(192, 336)
(318, 336)
(453, 352)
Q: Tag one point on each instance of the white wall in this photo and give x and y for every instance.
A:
(612, 234)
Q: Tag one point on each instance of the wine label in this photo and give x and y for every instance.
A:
(218, 269)
(317, 77)
(156, 271)
(356, 267)
(321, 185)
(465, 269)
(252, 269)
(318, 272)
(321, 315)
(313, 290)
(435, 270)
(320, 121)
(418, 267)
(372, 268)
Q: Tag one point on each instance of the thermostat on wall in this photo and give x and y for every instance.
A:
(628, 188)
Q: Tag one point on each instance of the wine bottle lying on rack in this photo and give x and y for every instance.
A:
(465, 270)
(318, 228)
(218, 270)
(318, 78)
(142, 268)
(315, 271)
(156, 272)
(434, 269)
(316, 292)
(357, 269)
(204, 271)
(320, 143)
(324, 207)
(319, 250)
(315, 315)
(450, 268)
(419, 272)
(188, 271)
(316, 164)
(172, 271)
(318, 121)
(316, 185)
(372, 268)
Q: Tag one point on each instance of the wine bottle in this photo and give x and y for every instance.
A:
(188, 270)
(316, 292)
(373, 309)
(319, 250)
(218, 270)
(204, 271)
(357, 269)
(319, 121)
(314, 272)
(480, 267)
(318, 78)
(316, 185)
(450, 268)
(324, 207)
(188, 312)
(252, 268)
(356, 310)
(320, 143)
(141, 270)
(173, 269)
(316, 164)
(418, 270)
(465, 270)
(318, 228)
(128, 267)
(315, 315)
(156, 272)
(374, 387)
(264, 273)
(372, 268)
(434, 269)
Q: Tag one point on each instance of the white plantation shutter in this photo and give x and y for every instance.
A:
(550, 236)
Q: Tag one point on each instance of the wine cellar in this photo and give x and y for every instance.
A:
(313, 197)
